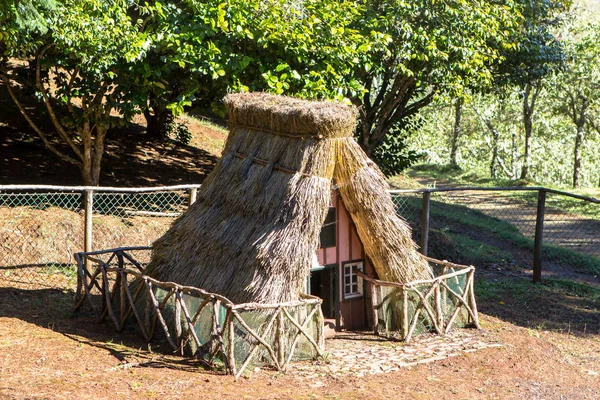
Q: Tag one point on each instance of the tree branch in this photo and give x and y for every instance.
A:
(33, 124)
(69, 86)
(38, 78)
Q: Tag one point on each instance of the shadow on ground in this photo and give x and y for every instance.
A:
(553, 305)
(130, 159)
(52, 309)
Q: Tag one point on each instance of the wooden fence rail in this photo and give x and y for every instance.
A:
(115, 287)
(436, 301)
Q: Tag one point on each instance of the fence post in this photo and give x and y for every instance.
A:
(425, 222)
(88, 208)
(539, 233)
(192, 198)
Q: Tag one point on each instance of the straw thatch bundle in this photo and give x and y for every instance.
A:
(254, 228)
(385, 236)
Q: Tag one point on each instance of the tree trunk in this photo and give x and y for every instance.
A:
(390, 106)
(91, 166)
(93, 150)
(98, 153)
(157, 120)
(532, 91)
(156, 124)
(86, 170)
(456, 131)
(577, 153)
(579, 119)
(514, 152)
(493, 162)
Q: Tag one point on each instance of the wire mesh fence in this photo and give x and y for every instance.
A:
(548, 225)
(42, 227)
(409, 207)
(572, 224)
(134, 219)
(39, 232)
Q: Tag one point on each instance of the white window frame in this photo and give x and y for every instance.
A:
(353, 286)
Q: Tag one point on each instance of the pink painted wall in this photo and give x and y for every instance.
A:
(348, 248)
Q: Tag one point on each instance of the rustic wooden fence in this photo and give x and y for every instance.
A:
(439, 304)
(193, 321)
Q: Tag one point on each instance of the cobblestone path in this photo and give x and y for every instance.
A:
(361, 353)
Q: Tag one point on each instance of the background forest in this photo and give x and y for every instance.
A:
(507, 90)
(486, 132)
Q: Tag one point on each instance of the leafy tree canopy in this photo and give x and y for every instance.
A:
(421, 49)
(19, 20)
(538, 52)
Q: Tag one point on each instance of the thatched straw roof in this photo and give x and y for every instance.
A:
(254, 228)
(386, 238)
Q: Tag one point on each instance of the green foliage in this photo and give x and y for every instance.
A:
(393, 155)
(96, 41)
(551, 149)
(420, 49)
(538, 52)
(85, 55)
(207, 48)
(20, 22)
(568, 99)
(179, 132)
(390, 58)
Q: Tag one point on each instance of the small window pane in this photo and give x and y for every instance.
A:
(352, 283)
(328, 230)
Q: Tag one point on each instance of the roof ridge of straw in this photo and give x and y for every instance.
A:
(291, 116)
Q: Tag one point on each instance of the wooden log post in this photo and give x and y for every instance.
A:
(404, 313)
(231, 343)
(192, 196)
(88, 209)
(426, 203)
(280, 339)
(374, 308)
(539, 233)
(320, 326)
(444, 294)
(438, 309)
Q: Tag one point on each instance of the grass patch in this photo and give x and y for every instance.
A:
(455, 176)
(459, 215)
(566, 204)
(204, 122)
(521, 288)
(506, 231)
(477, 252)
(580, 262)
(206, 135)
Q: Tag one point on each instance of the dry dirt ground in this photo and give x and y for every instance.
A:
(47, 353)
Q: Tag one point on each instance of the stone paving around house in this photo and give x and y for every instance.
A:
(361, 353)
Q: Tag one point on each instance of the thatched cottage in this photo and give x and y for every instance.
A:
(255, 227)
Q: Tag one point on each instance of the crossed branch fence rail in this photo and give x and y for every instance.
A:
(435, 302)
(239, 335)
